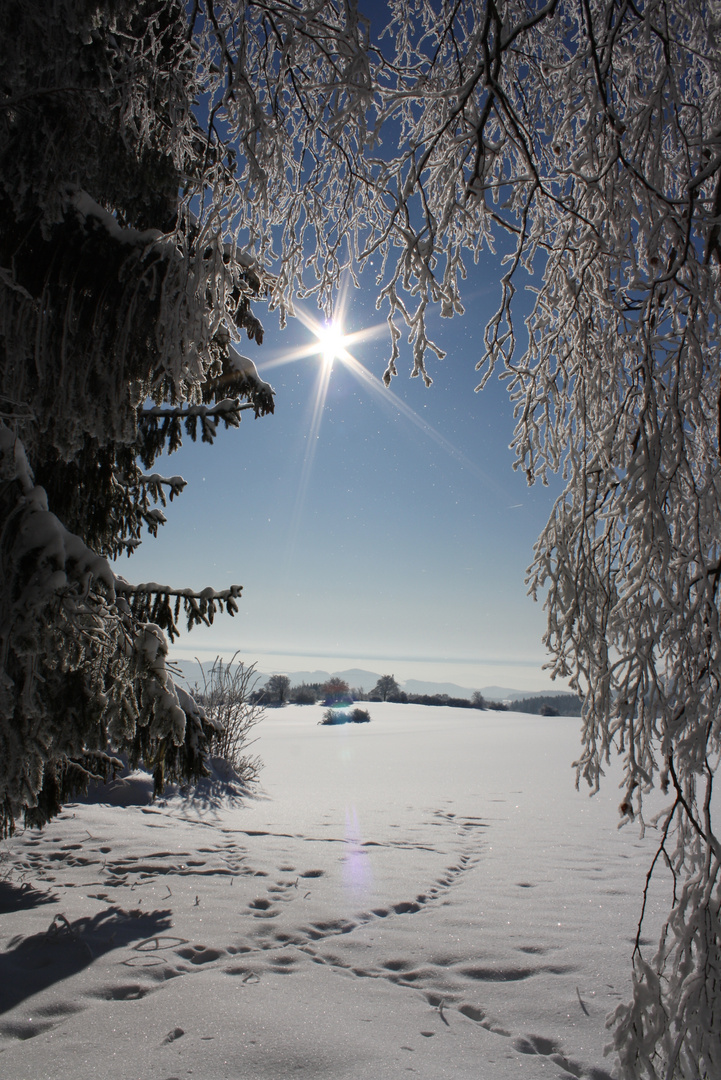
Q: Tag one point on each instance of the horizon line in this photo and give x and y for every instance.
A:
(374, 657)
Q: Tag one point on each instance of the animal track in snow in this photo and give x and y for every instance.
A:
(472, 1012)
(122, 992)
(544, 1047)
(447, 982)
(201, 954)
(24, 1029)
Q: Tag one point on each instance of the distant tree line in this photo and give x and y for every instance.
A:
(278, 691)
(335, 691)
(549, 705)
(444, 699)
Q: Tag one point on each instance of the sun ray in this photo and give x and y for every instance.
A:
(389, 401)
(321, 392)
(331, 343)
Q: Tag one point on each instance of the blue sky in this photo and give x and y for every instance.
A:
(391, 535)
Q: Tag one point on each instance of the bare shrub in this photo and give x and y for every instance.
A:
(229, 702)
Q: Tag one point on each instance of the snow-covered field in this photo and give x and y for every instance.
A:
(426, 894)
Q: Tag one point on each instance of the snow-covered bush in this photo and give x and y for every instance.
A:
(345, 716)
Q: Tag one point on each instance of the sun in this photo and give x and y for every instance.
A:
(331, 342)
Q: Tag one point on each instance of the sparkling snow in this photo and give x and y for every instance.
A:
(426, 894)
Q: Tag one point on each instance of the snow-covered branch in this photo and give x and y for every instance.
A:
(226, 409)
(88, 209)
(176, 484)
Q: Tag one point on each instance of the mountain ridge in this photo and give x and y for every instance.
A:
(360, 679)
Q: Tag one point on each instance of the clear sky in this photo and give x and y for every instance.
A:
(374, 528)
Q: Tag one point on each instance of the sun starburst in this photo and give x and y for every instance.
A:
(331, 343)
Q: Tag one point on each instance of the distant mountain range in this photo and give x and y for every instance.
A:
(359, 679)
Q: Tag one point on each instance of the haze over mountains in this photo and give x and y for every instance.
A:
(358, 678)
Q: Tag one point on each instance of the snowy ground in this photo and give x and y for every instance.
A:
(426, 894)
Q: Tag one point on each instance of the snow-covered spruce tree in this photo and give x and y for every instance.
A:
(118, 306)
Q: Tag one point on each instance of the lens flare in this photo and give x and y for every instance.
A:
(357, 873)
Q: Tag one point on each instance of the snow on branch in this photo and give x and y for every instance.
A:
(77, 640)
(87, 208)
(176, 484)
(226, 409)
(160, 604)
